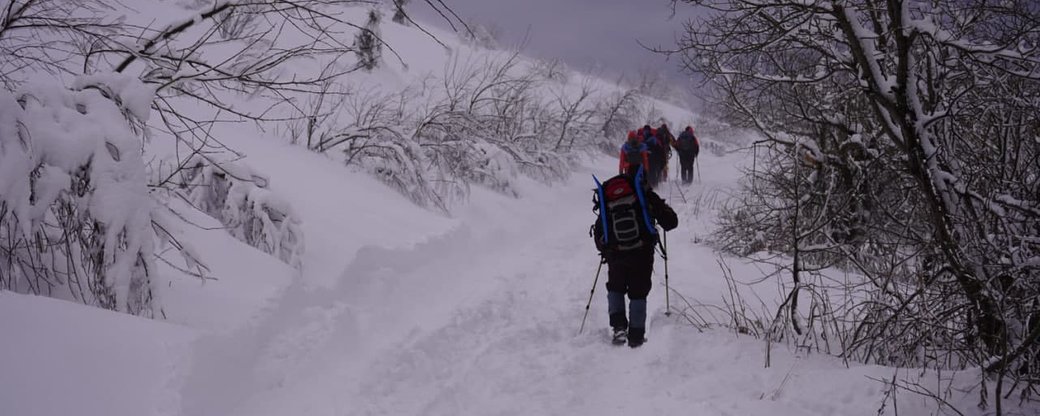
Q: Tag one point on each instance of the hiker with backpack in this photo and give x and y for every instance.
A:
(626, 235)
(665, 141)
(688, 148)
(633, 154)
(656, 156)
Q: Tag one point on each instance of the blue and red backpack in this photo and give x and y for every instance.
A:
(624, 221)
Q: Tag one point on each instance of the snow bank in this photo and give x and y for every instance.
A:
(234, 285)
(66, 359)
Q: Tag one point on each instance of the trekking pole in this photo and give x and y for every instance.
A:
(698, 165)
(664, 253)
(591, 292)
(681, 193)
(675, 183)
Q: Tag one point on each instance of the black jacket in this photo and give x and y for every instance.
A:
(660, 211)
(687, 144)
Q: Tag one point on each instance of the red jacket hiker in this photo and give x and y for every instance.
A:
(633, 154)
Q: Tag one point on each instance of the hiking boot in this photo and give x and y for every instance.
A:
(618, 319)
(636, 337)
(620, 335)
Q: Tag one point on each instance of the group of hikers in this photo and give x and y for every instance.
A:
(652, 148)
(625, 230)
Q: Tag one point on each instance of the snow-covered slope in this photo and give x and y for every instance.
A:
(401, 311)
(426, 315)
(62, 358)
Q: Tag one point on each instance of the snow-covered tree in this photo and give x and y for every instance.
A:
(902, 141)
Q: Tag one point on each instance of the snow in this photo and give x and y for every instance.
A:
(135, 96)
(339, 216)
(398, 310)
(240, 280)
(62, 358)
(429, 315)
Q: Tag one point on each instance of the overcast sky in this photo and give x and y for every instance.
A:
(586, 34)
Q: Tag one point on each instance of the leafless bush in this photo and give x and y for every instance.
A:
(484, 122)
(575, 115)
(552, 70)
(48, 35)
(619, 111)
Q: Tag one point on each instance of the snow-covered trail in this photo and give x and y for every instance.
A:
(403, 322)
(483, 319)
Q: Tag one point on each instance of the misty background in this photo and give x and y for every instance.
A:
(608, 38)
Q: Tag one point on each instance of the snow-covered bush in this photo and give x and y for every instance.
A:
(482, 35)
(619, 112)
(75, 214)
(76, 217)
(238, 197)
(489, 118)
(400, 16)
(368, 44)
(551, 69)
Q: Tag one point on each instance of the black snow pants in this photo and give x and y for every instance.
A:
(630, 272)
(657, 164)
(686, 160)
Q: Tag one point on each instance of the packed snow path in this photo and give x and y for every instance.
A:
(483, 319)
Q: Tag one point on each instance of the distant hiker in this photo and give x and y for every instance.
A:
(626, 234)
(633, 154)
(688, 148)
(666, 140)
(657, 157)
(637, 134)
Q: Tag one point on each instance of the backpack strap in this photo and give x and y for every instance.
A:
(602, 208)
(642, 201)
